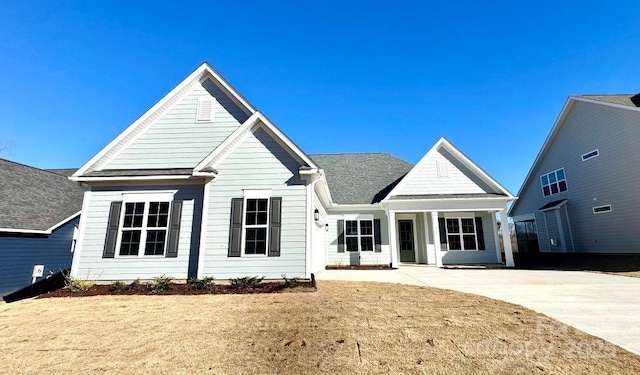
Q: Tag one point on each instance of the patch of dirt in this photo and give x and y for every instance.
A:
(363, 267)
(183, 289)
(345, 327)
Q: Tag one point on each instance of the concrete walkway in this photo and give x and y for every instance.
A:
(602, 305)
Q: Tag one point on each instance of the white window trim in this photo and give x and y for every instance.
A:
(143, 197)
(597, 151)
(461, 234)
(557, 181)
(358, 218)
(255, 194)
(602, 212)
(211, 114)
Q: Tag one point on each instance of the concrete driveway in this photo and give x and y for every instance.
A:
(602, 305)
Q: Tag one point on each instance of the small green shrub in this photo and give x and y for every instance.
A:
(77, 285)
(118, 287)
(245, 282)
(201, 284)
(290, 282)
(161, 284)
(134, 285)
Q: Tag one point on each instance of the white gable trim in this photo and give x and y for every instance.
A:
(240, 134)
(161, 107)
(442, 142)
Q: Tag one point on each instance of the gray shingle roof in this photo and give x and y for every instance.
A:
(623, 99)
(361, 178)
(63, 171)
(34, 199)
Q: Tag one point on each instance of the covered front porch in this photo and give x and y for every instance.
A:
(447, 231)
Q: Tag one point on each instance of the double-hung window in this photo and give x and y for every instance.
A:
(553, 182)
(255, 224)
(461, 233)
(358, 235)
(143, 224)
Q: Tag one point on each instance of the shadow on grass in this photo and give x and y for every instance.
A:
(610, 263)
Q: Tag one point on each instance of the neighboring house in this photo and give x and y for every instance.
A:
(39, 211)
(581, 194)
(205, 185)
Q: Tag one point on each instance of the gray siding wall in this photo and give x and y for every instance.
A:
(610, 178)
(176, 140)
(487, 256)
(18, 255)
(92, 266)
(368, 257)
(259, 162)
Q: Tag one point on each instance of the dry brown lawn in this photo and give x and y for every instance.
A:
(345, 327)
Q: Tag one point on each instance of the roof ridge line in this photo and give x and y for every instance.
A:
(32, 167)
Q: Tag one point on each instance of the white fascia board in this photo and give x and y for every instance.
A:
(205, 68)
(131, 178)
(355, 207)
(235, 95)
(196, 73)
(235, 139)
(547, 143)
(285, 141)
(228, 143)
(409, 174)
(46, 231)
(474, 167)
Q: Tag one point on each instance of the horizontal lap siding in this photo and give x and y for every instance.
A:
(176, 140)
(93, 267)
(18, 255)
(259, 162)
(424, 178)
(606, 179)
(369, 258)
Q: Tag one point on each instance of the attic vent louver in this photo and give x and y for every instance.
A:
(205, 110)
(636, 100)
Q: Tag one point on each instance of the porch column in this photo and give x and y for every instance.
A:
(496, 236)
(506, 239)
(392, 239)
(436, 237)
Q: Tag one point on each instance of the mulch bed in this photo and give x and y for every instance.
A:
(363, 267)
(184, 289)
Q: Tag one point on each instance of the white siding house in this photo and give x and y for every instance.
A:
(203, 184)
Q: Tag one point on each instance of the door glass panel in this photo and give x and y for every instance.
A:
(406, 235)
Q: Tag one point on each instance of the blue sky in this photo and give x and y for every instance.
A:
(336, 76)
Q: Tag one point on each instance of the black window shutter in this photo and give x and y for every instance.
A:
(235, 227)
(341, 236)
(109, 250)
(275, 220)
(377, 236)
(443, 234)
(174, 229)
(479, 233)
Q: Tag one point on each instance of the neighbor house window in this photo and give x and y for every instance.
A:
(590, 155)
(461, 234)
(144, 225)
(359, 235)
(553, 182)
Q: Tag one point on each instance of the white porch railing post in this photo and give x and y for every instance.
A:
(393, 248)
(436, 237)
(506, 239)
